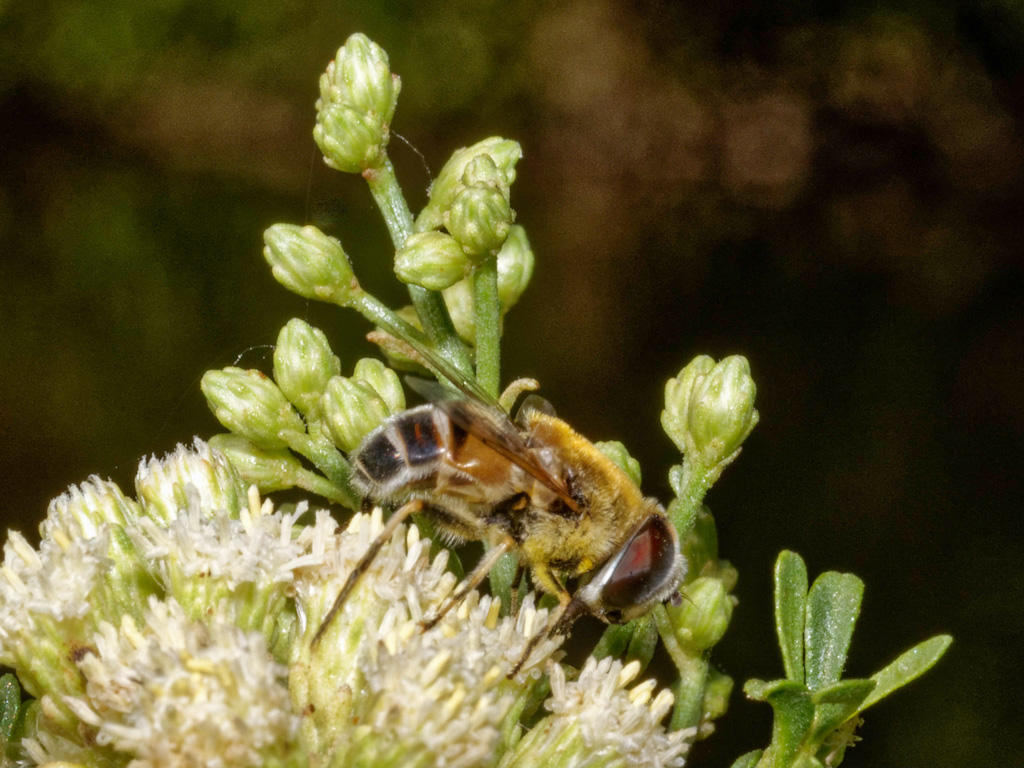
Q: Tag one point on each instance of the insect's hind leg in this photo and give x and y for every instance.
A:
(471, 582)
(396, 519)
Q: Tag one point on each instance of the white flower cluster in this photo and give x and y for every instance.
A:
(176, 692)
(177, 630)
(597, 723)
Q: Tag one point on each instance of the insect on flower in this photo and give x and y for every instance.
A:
(534, 487)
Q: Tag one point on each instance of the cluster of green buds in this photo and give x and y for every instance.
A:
(307, 410)
(358, 96)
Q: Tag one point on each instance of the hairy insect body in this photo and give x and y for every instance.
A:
(539, 489)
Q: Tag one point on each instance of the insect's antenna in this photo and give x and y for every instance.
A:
(364, 563)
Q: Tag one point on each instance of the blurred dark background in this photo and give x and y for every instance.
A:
(832, 189)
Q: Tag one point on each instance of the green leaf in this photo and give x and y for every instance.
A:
(833, 605)
(907, 667)
(644, 641)
(790, 608)
(794, 716)
(614, 640)
(10, 703)
(836, 704)
(748, 760)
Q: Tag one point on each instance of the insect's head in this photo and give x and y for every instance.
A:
(647, 569)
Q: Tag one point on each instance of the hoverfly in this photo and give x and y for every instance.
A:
(534, 487)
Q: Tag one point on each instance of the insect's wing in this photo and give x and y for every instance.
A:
(494, 429)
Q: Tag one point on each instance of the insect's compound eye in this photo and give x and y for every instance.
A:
(642, 571)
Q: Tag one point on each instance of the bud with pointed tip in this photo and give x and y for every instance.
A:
(431, 259)
(700, 621)
(716, 695)
(503, 152)
(268, 470)
(480, 219)
(303, 363)
(308, 262)
(361, 77)
(352, 409)
(709, 409)
(249, 404)
(358, 96)
(383, 381)
(515, 268)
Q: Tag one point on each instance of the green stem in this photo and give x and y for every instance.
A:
(389, 198)
(690, 491)
(328, 459)
(379, 314)
(433, 313)
(487, 312)
(429, 305)
(310, 481)
(693, 674)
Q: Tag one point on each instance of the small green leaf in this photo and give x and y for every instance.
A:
(907, 667)
(614, 640)
(748, 760)
(794, 716)
(790, 607)
(836, 704)
(644, 641)
(833, 605)
(10, 702)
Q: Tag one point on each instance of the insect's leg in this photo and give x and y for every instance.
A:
(393, 522)
(558, 623)
(471, 582)
(517, 581)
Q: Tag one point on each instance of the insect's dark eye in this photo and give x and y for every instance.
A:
(642, 568)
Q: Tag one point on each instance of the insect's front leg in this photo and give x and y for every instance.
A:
(561, 618)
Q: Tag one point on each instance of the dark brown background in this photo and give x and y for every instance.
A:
(833, 190)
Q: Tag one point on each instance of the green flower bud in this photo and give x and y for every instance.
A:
(722, 411)
(165, 486)
(303, 363)
(358, 95)
(503, 152)
(678, 392)
(361, 77)
(480, 219)
(352, 410)
(483, 170)
(709, 409)
(249, 404)
(617, 452)
(268, 470)
(716, 695)
(459, 300)
(702, 618)
(383, 381)
(350, 140)
(431, 259)
(515, 267)
(308, 262)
